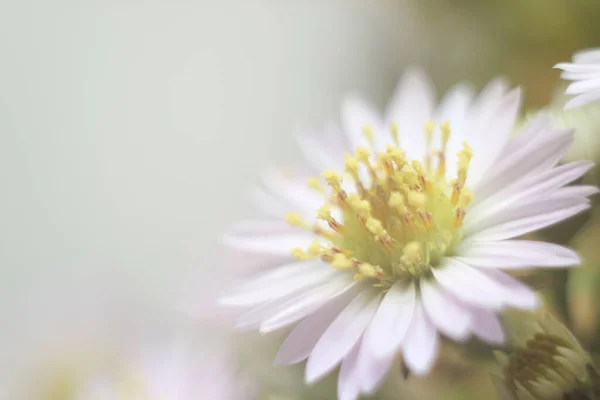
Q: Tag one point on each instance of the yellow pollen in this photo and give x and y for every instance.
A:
(368, 133)
(300, 254)
(399, 224)
(294, 219)
(368, 271)
(412, 253)
(361, 207)
(362, 154)
(416, 199)
(315, 248)
(394, 132)
(315, 184)
(340, 261)
(445, 127)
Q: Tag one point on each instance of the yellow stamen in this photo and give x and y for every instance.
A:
(315, 184)
(340, 261)
(394, 132)
(368, 134)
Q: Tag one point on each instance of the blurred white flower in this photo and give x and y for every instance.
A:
(176, 371)
(584, 71)
(410, 244)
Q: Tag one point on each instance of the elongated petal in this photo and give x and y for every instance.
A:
(281, 244)
(306, 303)
(341, 336)
(280, 282)
(300, 342)
(356, 115)
(525, 225)
(487, 326)
(515, 254)
(347, 385)
(422, 343)
(470, 285)
(392, 320)
(452, 319)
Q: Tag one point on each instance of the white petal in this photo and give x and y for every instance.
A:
(370, 369)
(514, 254)
(324, 150)
(293, 189)
(306, 303)
(470, 284)
(300, 342)
(584, 99)
(525, 189)
(486, 326)
(410, 107)
(577, 67)
(392, 320)
(517, 293)
(341, 336)
(422, 343)
(541, 206)
(542, 151)
(587, 56)
(522, 226)
(488, 143)
(356, 114)
(276, 244)
(347, 385)
(279, 282)
(450, 317)
(583, 86)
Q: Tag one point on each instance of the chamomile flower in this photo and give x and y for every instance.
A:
(584, 71)
(406, 233)
(171, 372)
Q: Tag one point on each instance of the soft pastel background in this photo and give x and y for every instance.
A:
(130, 131)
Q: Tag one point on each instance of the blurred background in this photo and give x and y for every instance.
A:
(130, 132)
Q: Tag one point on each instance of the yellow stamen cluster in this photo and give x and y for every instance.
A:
(402, 218)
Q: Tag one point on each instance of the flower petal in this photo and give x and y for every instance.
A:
(370, 369)
(276, 244)
(470, 285)
(347, 385)
(525, 225)
(356, 114)
(392, 320)
(307, 302)
(410, 107)
(341, 336)
(451, 318)
(486, 326)
(300, 342)
(280, 282)
(515, 254)
(422, 343)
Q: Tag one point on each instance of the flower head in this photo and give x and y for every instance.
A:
(584, 71)
(551, 365)
(170, 372)
(403, 235)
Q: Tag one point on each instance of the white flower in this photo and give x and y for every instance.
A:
(177, 371)
(585, 72)
(411, 242)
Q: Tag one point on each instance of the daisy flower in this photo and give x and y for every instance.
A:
(584, 71)
(171, 372)
(411, 237)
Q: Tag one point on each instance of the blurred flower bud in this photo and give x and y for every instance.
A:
(550, 365)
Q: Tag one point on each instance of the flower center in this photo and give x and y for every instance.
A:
(398, 218)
